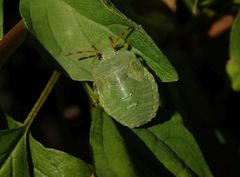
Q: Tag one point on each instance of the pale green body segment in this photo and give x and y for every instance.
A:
(127, 90)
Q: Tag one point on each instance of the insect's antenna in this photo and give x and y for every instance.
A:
(120, 36)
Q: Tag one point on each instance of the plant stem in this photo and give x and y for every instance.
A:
(52, 81)
(11, 41)
(91, 93)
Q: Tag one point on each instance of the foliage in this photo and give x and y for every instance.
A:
(91, 23)
(44, 162)
(167, 142)
(124, 81)
(233, 66)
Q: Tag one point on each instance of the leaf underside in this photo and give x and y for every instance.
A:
(68, 26)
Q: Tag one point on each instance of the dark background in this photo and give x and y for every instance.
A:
(203, 94)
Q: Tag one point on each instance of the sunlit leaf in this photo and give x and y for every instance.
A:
(67, 26)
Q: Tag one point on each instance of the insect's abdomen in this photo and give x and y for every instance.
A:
(128, 99)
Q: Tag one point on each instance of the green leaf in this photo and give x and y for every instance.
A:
(148, 152)
(175, 148)
(233, 69)
(1, 19)
(233, 65)
(111, 158)
(13, 154)
(51, 163)
(68, 26)
(45, 162)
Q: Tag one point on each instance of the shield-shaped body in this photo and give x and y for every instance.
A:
(127, 90)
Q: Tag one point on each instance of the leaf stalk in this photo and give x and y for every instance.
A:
(37, 106)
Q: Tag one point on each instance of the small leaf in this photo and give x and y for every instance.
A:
(110, 155)
(233, 65)
(233, 70)
(175, 148)
(64, 27)
(45, 162)
(13, 154)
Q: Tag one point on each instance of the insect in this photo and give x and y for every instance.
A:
(127, 91)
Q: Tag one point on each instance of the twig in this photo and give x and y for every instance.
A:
(11, 41)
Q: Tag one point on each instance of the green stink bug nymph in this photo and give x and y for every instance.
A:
(127, 91)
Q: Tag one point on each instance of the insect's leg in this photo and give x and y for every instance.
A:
(88, 53)
(114, 43)
(91, 90)
(97, 52)
(127, 46)
(79, 52)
